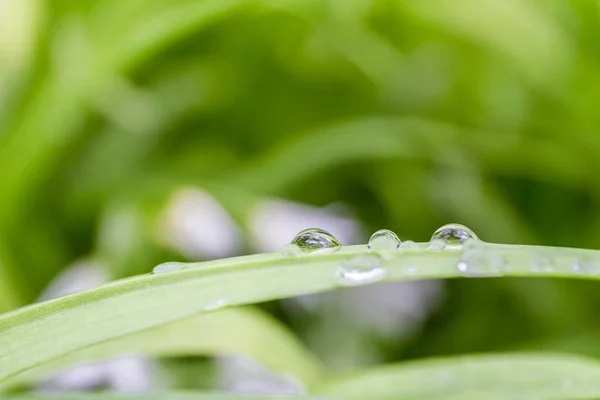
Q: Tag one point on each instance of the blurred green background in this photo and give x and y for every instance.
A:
(135, 132)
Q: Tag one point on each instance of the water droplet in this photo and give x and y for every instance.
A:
(585, 266)
(451, 237)
(479, 261)
(290, 250)
(409, 245)
(215, 305)
(542, 264)
(382, 240)
(168, 267)
(361, 270)
(316, 241)
(410, 270)
(437, 245)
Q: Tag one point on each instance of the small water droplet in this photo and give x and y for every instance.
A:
(382, 240)
(585, 266)
(410, 270)
(437, 245)
(361, 270)
(451, 237)
(170, 266)
(409, 245)
(316, 241)
(477, 261)
(542, 264)
(291, 250)
(215, 305)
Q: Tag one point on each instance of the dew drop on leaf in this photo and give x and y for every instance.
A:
(451, 237)
(316, 241)
(382, 240)
(361, 270)
(409, 245)
(168, 267)
(291, 250)
(478, 261)
(585, 266)
(542, 264)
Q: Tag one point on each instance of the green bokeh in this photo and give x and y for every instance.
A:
(412, 113)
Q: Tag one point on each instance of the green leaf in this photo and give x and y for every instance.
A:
(264, 339)
(42, 332)
(497, 377)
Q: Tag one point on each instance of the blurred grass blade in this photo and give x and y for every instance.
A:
(327, 147)
(42, 332)
(498, 377)
(247, 332)
(155, 32)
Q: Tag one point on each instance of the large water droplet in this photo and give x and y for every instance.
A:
(451, 237)
(361, 270)
(291, 250)
(585, 266)
(382, 240)
(168, 267)
(316, 241)
(479, 261)
(409, 245)
(215, 305)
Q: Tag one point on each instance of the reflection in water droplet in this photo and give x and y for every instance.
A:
(291, 250)
(585, 266)
(479, 261)
(168, 267)
(215, 305)
(382, 240)
(409, 245)
(316, 241)
(361, 270)
(452, 237)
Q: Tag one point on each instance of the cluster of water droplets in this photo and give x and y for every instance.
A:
(478, 261)
(477, 258)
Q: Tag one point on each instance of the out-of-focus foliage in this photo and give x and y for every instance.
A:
(413, 113)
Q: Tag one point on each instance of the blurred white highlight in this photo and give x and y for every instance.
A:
(196, 225)
(243, 375)
(124, 374)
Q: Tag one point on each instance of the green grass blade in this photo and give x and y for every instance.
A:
(42, 332)
(263, 339)
(155, 32)
(499, 377)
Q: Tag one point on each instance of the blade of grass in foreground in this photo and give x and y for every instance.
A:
(242, 331)
(42, 332)
(497, 377)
